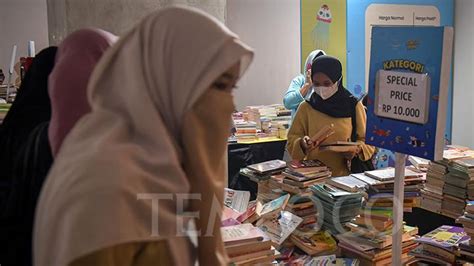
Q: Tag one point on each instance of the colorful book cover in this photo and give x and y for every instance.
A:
(447, 237)
(280, 228)
(409, 77)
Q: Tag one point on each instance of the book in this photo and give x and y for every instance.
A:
(323, 134)
(280, 228)
(422, 57)
(314, 243)
(236, 199)
(254, 176)
(348, 183)
(419, 163)
(304, 177)
(470, 206)
(272, 208)
(389, 174)
(241, 234)
(307, 183)
(248, 214)
(446, 236)
(305, 164)
(268, 167)
(341, 143)
(372, 224)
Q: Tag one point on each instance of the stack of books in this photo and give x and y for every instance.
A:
(432, 194)
(381, 188)
(303, 174)
(247, 244)
(245, 131)
(419, 163)
(466, 256)
(302, 206)
(336, 206)
(467, 220)
(263, 171)
(440, 245)
(374, 247)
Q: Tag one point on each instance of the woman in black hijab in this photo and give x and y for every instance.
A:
(25, 159)
(330, 104)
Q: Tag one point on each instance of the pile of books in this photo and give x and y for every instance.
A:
(302, 206)
(467, 220)
(432, 194)
(448, 182)
(381, 188)
(441, 245)
(370, 237)
(419, 163)
(263, 171)
(300, 175)
(245, 131)
(247, 244)
(336, 206)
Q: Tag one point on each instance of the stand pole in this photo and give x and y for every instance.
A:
(398, 199)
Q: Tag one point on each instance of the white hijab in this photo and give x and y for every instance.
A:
(131, 142)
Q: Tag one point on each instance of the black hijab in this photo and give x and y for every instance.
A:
(30, 108)
(25, 159)
(342, 103)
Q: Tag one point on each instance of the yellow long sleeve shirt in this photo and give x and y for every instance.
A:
(309, 121)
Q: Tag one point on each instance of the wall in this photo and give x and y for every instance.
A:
(21, 21)
(272, 28)
(463, 126)
(116, 16)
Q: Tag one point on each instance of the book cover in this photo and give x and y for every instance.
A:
(236, 199)
(240, 234)
(269, 166)
(446, 236)
(314, 243)
(410, 71)
(348, 183)
(280, 228)
(273, 207)
(389, 174)
(297, 164)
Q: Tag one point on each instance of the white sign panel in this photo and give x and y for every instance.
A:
(402, 96)
(396, 15)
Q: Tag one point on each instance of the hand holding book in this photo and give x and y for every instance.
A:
(309, 144)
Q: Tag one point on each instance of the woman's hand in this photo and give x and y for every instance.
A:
(307, 84)
(308, 145)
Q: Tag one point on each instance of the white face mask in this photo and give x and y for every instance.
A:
(326, 92)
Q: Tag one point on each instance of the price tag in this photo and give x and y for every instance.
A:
(402, 96)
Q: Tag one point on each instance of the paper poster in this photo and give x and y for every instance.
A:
(323, 27)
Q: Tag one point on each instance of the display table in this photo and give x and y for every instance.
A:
(240, 155)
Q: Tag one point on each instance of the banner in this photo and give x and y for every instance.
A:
(323, 27)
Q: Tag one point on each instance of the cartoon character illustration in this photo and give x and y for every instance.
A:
(320, 31)
(398, 139)
(385, 158)
(381, 132)
(415, 142)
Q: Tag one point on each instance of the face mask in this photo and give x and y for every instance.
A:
(327, 92)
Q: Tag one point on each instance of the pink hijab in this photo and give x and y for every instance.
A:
(76, 58)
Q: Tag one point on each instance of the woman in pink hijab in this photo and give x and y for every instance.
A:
(76, 58)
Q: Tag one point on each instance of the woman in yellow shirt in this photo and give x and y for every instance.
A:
(330, 104)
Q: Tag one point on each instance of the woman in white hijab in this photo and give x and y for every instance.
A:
(161, 104)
